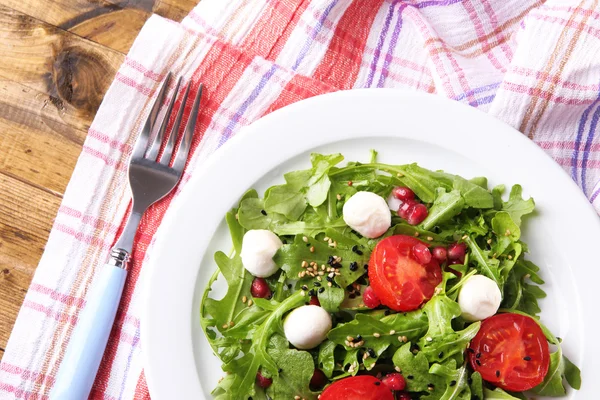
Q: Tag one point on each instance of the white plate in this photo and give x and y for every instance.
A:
(404, 127)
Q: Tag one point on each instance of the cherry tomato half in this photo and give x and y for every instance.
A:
(399, 280)
(362, 387)
(510, 351)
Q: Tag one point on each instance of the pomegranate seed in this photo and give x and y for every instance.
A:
(422, 254)
(405, 208)
(370, 298)
(457, 251)
(314, 301)
(440, 253)
(403, 193)
(394, 381)
(262, 381)
(318, 380)
(417, 214)
(403, 396)
(260, 288)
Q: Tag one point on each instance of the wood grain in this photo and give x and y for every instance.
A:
(58, 58)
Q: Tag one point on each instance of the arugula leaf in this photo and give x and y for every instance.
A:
(283, 199)
(507, 231)
(497, 193)
(326, 359)
(477, 386)
(252, 215)
(441, 341)
(473, 193)
(423, 182)
(445, 207)
(319, 183)
(497, 394)
(415, 369)
(516, 206)
(521, 290)
(296, 370)
(246, 367)
(460, 388)
(487, 265)
(560, 368)
(480, 181)
(331, 298)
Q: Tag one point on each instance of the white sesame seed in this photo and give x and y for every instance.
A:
(224, 326)
(319, 278)
(416, 234)
(329, 284)
(489, 241)
(304, 264)
(509, 257)
(321, 273)
(350, 338)
(465, 237)
(231, 323)
(392, 332)
(376, 334)
(244, 299)
(338, 196)
(297, 397)
(302, 293)
(312, 249)
(398, 369)
(237, 216)
(429, 339)
(429, 238)
(323, 267)
(305, 239)
(250, 302)
(507, 233)
(326, 239)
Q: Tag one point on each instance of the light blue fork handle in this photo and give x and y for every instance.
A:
(80, 364)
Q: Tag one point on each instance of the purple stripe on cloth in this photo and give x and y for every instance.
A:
(586, 149)
(389, 55)
(136, 339)
(311, 38)
(382, 36)
(579, 138)
(596, 193)
(485, 100)
(435, 3)
(236, 117)
(477, 90)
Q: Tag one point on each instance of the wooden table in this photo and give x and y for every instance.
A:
(57, 59)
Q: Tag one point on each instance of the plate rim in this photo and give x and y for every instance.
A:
(251, 133)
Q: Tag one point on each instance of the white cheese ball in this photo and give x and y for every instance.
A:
(479, 298)
(258, 248)
(307, 326)
(368, 214)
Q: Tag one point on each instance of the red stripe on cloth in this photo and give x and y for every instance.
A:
(278, 21)
(56, 315)
(132, 83)
(342, 61)
(544, 94)
(104, 138)
(566, 145)
(218, 86)
(148, 73)
(71, 212)
(117, 164)
(141, 389)
(298, 88)
(20, 393)
(486, 48)
(88, 239)
(55, 295)
(26, 374)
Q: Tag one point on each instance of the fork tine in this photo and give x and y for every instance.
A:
(154, 148)
(166, 156)
(186, 140)
(142, 141)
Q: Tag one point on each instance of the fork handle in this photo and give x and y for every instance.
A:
(80, 364)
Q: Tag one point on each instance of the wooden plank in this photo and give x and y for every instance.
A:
(26, 215)
(50, 60)
(114, 24)
(40, 141)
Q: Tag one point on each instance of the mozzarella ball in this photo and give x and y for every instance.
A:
(479, 298)
(307, 326)
(258, 248)
(393, 202)
(368, 214)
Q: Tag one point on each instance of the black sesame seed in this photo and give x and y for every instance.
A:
(410, 377)
(329, 279)
(441, 355)
(358, 338)
(497, 374)
(470, 381)
(352, 296)
(387, 312)
(263, 212)
(283, 241)
(478, 362)
(452, 383)
(321, 290)
(350, 288)
(249, 398)
(366, 266)
(289, 285)
(431, 386)
(478, 355)
(527, 358)
(312, 292)
(406, 314)
(353, 266)
(470, 350)
(356, 250)
(372, 353)
(280, 370)
(330, 260)
(317, 284)
(304, 287)
(377, 383)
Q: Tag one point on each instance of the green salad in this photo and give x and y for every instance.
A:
(374, 281)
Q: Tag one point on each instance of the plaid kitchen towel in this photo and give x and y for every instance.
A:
(533, 64)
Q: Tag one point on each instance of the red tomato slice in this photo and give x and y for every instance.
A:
(362, 387)
(510, 351)
(399, 280)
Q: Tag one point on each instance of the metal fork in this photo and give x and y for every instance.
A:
(150, 178)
